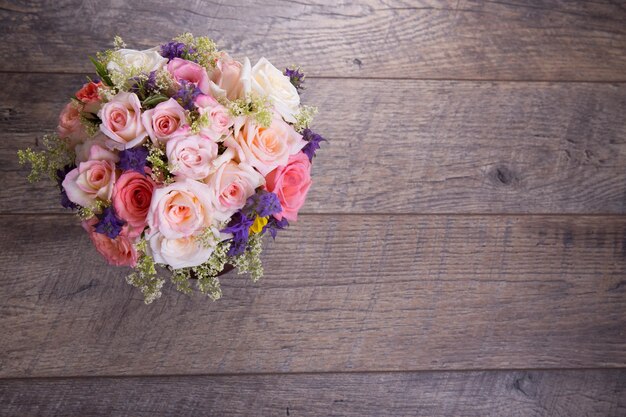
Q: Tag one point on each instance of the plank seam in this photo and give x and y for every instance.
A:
(377, 214)
(305, 373)
(330, 77)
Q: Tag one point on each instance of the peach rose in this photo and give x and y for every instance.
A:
(291, 184)
(191, 156)
(88, 95)
(167, 119)
(231, 185)
(180, 209)
(182, 69)
(93, 179)
(230, 78)
(265, 148)
(119, 251)
(132, 195)
(121, 121)
(70, 128)
(220, 120)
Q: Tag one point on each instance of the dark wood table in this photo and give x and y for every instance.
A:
(462, 251)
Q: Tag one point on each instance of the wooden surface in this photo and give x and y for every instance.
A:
(427, 394)
(433, 292)
(462, 251)
(434, 39)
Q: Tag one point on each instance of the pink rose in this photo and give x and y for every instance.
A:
(167, 119)
(291, 183)
(132, 195)
(219, 117)
(182, 69)
(265, 148)
(119, 251)
(93, 179)
(121, 121)
(83, 150)
(231, 185)
(70, 127)
(230, 78)
(180, 209)
(88, 95)
(191, 156)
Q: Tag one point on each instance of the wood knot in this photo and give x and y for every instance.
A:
(568, 239)
(357, 62)
(619, 287)
(525, 385)
(503, 175)
(7, 114)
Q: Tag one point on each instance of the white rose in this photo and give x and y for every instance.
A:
(267, 80)
(184, 252)
(145, 61)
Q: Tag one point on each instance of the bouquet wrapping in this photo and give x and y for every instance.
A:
(182, 158)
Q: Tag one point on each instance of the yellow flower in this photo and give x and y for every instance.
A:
(259, 224)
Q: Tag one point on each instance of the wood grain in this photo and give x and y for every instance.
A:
(449, 39)
(599, 393)
(342, 293)
(407, 146)
(464, 238)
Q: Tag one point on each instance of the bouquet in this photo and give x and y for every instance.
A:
(182, 158)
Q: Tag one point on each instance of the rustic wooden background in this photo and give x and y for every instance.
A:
(462, 251)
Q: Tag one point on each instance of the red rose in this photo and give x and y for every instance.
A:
(132, 196)
(88, 95)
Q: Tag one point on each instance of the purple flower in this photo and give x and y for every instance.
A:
(296, 77)
(151, 83)
(237, 247)
(133, 159)
(61, 173)
(187, 94)
(173, 50)
(65, 201)
(239, 226)
(109, 223)
(273, 226)
(314, 143)
(263, 203)
(140, 84)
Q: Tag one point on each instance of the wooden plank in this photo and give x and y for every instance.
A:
(599, 393)
(408, 146)
(447, 39)
(358, 293)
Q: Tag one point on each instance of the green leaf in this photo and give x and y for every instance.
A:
(153, 100)
(101, 71)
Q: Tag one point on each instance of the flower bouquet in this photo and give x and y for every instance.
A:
(180, 157)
